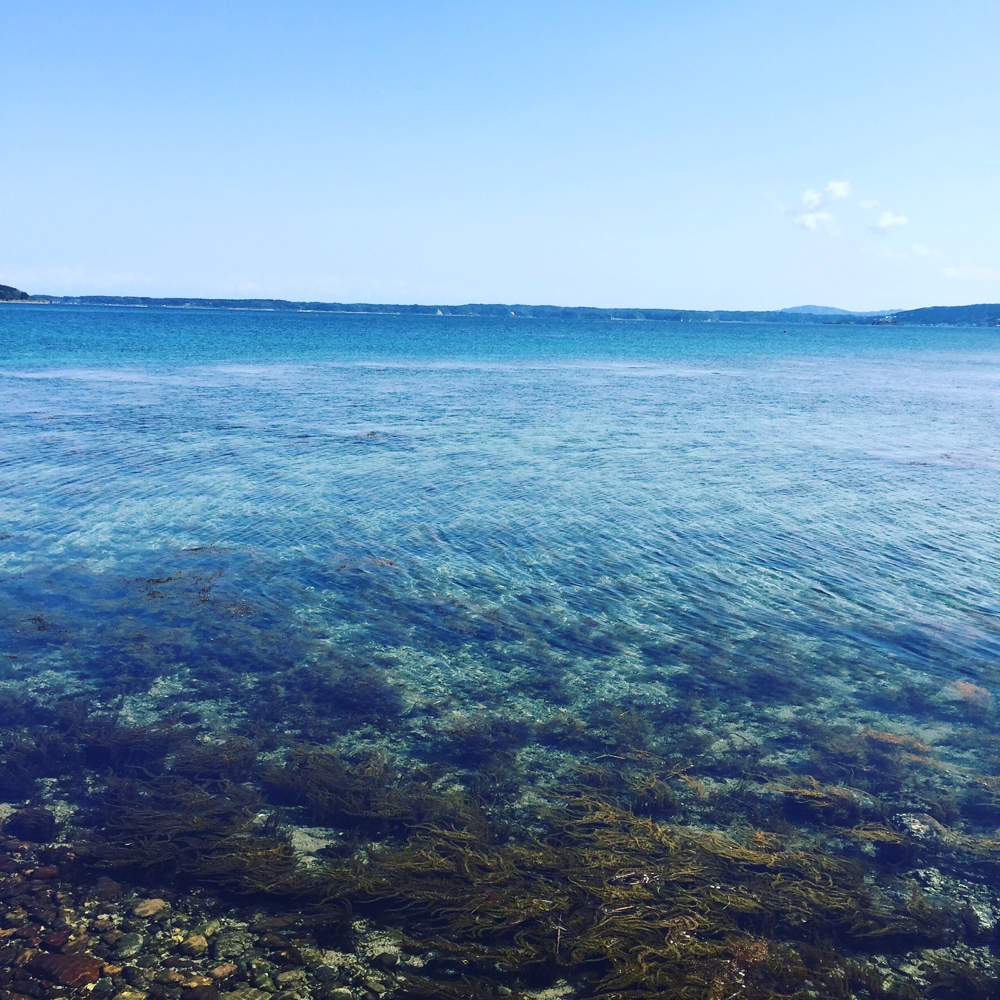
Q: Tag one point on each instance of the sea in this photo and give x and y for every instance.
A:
(506, 656)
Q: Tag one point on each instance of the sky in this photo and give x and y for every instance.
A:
(702, 154)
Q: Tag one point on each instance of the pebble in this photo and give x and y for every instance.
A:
(194, 944)
(129, 945)
(202, 993)
(290, 977)
(57, 939)
(149, 908)
(232, 943)
(168, 976)
(223, 971)
(107, 889)
(130, 995)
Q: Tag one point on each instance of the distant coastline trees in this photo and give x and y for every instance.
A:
(985, 314)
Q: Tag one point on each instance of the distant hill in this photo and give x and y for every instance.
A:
(10, 294)
(985, 314)
(818, 310)
(833, 311)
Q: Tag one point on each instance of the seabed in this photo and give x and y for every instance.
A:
(278, 822)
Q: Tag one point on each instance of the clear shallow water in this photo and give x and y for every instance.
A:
(829, 493)
(752, 540)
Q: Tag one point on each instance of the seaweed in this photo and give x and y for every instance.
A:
(483, 741)
(836, 805)
(637, 907)
(349, 693)
(609, 884)
(173, 829)
(233, 757)
(364, 796)
(140, 751)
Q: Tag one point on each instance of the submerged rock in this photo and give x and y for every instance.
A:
(67, 970)
(980, 921)
(924, 828)
(129, 945)
(149, 908)
(194, 944)
(108, 890)
(232, 943)
(35, 825)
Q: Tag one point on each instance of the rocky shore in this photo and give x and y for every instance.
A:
(63, 937)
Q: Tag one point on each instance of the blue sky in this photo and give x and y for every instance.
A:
(688, 154)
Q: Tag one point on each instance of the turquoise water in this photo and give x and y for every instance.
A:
(622, 496)
(751, 540)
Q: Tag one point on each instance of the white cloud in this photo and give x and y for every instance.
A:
(889, 221)
(811, 200)
(973, 273)
(919, 250)
(886, 221)
(812, 215)
(813, 220)
(869, 203)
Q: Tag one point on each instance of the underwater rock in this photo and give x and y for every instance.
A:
(980, 922)
(108, 890)
(194, 944)
(66, 970)
(202, 993)
(232, 943)
(924, 828)
(129, 945)
(149, 908)
(35, 825)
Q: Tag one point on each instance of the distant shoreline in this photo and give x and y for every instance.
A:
(987, 314)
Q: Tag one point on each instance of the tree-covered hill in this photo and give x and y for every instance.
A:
(973, 315)
(984, 314)
(470, 309)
